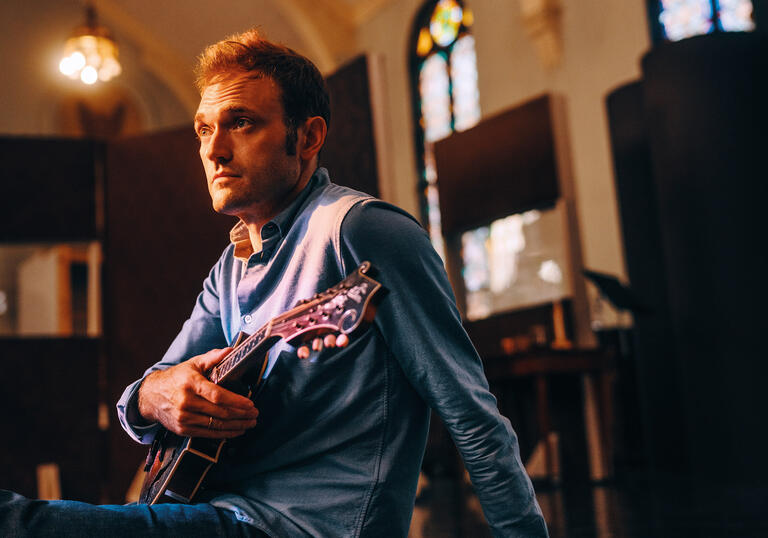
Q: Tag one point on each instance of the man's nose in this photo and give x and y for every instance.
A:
(218, 147)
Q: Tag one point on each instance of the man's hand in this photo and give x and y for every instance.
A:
(186, 403)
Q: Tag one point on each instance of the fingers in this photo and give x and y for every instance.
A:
(215, 428)
(206, 361)
(217, 397)
(342, 340)
(216, 422)
(329, 341)
(222, 404)
(182, 399)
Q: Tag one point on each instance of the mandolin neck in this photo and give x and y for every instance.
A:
(237, 361)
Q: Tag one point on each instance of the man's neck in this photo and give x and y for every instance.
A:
(255, 223)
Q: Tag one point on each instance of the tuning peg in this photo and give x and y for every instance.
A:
(303, 352)
(317, 344)
(342, 340)
(329, 340)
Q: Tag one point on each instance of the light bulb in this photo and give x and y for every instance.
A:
(89, 75)
(65, 66)
(78, 60)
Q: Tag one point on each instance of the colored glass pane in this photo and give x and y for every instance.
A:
(433, 212)
(424, 43)
(736, 15)
(686, 18)
(448, 97)
(466, 105)
(435, 93)
(469, 17)
(445, 22)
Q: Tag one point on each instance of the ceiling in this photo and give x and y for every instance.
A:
(169, 35)
(159, 41)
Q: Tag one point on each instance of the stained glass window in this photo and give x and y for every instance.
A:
(445, 22)
(435, 93)
(466, 100)
(444, 73)
(685, 18)
(679, 19)
(736, 15)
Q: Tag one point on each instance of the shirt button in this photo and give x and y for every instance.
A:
(248, 318)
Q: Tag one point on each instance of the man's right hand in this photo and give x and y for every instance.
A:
(183, 400)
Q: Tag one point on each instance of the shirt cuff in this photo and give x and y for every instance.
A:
(133, 423)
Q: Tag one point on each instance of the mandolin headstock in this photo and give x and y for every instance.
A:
(340, 309)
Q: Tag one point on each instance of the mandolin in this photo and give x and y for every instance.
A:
(176, 466)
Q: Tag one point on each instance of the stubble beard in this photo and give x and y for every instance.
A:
(259, 197)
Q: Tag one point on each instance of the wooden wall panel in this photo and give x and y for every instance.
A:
(504, 165)
(657, 362)
(50, 189)
(349, 153)
(706, 111)
(49, 395)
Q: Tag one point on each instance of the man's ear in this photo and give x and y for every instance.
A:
(312, 137)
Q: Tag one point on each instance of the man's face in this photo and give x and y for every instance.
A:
(243, 147)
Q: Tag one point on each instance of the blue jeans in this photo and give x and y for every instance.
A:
(22, 517)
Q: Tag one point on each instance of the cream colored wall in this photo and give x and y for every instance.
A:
(603, 41)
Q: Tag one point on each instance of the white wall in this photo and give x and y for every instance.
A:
(603, 41)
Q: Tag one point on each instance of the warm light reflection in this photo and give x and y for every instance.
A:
(550, 272)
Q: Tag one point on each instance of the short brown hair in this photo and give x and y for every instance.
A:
(303, 90)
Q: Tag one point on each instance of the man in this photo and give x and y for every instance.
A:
(336, 444)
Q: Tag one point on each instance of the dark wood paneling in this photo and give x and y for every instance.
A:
(49, 400)
(349, 153)
(162, 237)
(657, 362)
(705, 100)
(503, 165)
(49, 189)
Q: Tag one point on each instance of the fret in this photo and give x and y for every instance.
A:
(239, 354)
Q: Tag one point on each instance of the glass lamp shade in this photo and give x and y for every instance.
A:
(90, 55)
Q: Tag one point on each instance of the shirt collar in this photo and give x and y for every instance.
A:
(276, 228)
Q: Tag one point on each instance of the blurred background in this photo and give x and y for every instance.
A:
(591, 172)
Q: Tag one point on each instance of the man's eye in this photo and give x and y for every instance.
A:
(242, 122)
(203, 131)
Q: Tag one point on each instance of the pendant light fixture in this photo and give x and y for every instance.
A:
(90, 53)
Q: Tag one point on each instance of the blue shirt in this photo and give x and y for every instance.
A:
(341, 436)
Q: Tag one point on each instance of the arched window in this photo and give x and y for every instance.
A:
(673, 20)
(444, 89)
